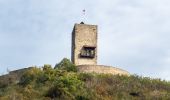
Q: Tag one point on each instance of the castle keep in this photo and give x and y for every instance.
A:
(84, 44)
(84, 51)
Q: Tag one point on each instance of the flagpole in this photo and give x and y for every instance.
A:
(84, 15)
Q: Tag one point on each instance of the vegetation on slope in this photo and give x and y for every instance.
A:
(65, 83)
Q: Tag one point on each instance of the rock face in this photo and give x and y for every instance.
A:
(102, 69)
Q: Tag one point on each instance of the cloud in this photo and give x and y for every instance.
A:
(138, 40)
(133, 35)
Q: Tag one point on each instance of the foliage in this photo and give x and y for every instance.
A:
(61, 83)
(67, 87)
(67, 65)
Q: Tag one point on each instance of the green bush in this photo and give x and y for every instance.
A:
(67, 65)
(67, 86)
(29, 76)
(64, 83)
(47, 67)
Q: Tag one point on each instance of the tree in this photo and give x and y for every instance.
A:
(67, 65)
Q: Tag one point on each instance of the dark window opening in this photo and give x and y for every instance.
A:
(87, 52)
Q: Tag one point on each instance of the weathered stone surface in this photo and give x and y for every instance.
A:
(86, 35)
(82, 35)
(102, 69)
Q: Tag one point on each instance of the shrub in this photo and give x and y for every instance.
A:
(67, 87)
(63, 83)
(67, 65)
(29, 76)
(47, 67)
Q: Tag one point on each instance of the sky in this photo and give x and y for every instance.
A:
(133, 35)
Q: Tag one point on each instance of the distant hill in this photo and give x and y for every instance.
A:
(64, 83)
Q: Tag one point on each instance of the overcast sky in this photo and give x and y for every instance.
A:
(132, 34)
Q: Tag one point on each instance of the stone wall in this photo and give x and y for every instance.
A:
(83, 34)
(102, 69)
(13, 76)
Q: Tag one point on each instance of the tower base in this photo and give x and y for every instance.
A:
(102, 69)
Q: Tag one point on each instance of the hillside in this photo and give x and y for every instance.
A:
(64, 83)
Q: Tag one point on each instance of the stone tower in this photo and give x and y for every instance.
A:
(84, 44)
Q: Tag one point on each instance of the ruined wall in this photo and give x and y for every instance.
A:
(83, 34)
(102, 69)
(13, 76)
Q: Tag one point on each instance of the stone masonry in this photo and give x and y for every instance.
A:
(84, 51)
(84, 36)
(102, 69)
